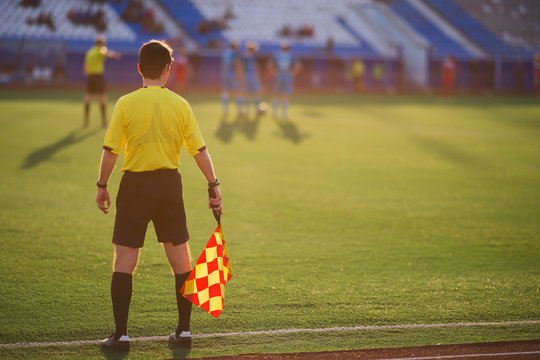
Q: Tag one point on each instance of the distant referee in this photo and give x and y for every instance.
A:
(151, 124)
(94, 67)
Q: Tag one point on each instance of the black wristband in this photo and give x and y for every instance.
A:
(214, 184)
(101, 186)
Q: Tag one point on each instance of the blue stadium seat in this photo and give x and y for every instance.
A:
(137, 28)
(477, 32)
(442, 43)
(190, 17)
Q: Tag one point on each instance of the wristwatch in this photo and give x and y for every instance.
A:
(213, 184)
(101, 186)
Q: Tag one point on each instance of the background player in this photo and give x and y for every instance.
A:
(537, 72)
(252, 85)
(94, 67)
(182, 71)
(286, 68)
(231, 78)
(449, 74)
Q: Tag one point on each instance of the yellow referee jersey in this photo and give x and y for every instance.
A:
(94, 62)
(152, 123)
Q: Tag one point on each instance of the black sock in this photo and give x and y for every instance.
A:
(183, 304)
(121, 288)
(103, 115)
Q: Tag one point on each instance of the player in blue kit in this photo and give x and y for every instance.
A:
(231, 78)
(252, 85)
(287, 68)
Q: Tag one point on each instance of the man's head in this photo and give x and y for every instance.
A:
(252, 46)
(154, 57)
(101, 40)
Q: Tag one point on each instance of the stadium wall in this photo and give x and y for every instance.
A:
(320, 73)
(324, 74)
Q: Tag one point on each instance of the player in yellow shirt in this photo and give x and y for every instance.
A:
(94, 67)
(358, 74)
(151, 124)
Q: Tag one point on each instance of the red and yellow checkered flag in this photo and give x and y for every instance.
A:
(205, 286)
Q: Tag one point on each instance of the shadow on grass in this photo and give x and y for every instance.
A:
(114, 354)
(439, 147)
(179, 352)
(45, 153)
(290, 131)
(247, 126)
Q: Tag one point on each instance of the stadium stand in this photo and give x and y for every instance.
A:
(73, 23)
(517, 22)
(242, 21)
(191, 18)
(144, 18)
(442, 43)
(408, 37)
(463, 21)
(355, 14)
(413, 48)
(14, 25)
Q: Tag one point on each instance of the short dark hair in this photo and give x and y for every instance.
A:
(154, 56)
(101, 40)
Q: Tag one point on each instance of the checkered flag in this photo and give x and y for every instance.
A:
(205, 286)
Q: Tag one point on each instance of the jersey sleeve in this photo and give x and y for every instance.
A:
(115, 139)
(192, 135)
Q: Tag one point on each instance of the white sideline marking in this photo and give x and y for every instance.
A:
(467, 355)
(285, 331)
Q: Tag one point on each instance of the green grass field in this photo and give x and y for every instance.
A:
(358, 211)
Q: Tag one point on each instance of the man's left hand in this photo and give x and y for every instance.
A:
(214, 203)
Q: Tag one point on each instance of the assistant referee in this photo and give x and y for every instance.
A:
(151, 124)
(94, 68)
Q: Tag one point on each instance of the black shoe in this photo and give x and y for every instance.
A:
(183, 340)
(113, 343)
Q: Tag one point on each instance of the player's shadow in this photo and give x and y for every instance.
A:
(248, 126)
(178, 352)
(245, 125)
(45, 153)
(225, 131)
(114, 354)
(290, 131)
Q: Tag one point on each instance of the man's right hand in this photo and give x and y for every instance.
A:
(103, 200)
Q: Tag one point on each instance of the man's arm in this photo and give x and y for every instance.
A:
(113, 54)
(239, 70)
(108, 161)
(205, 164)
(296, 68)
(271, 67)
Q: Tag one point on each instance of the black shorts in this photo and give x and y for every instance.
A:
(95, 84)
(150, 196)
